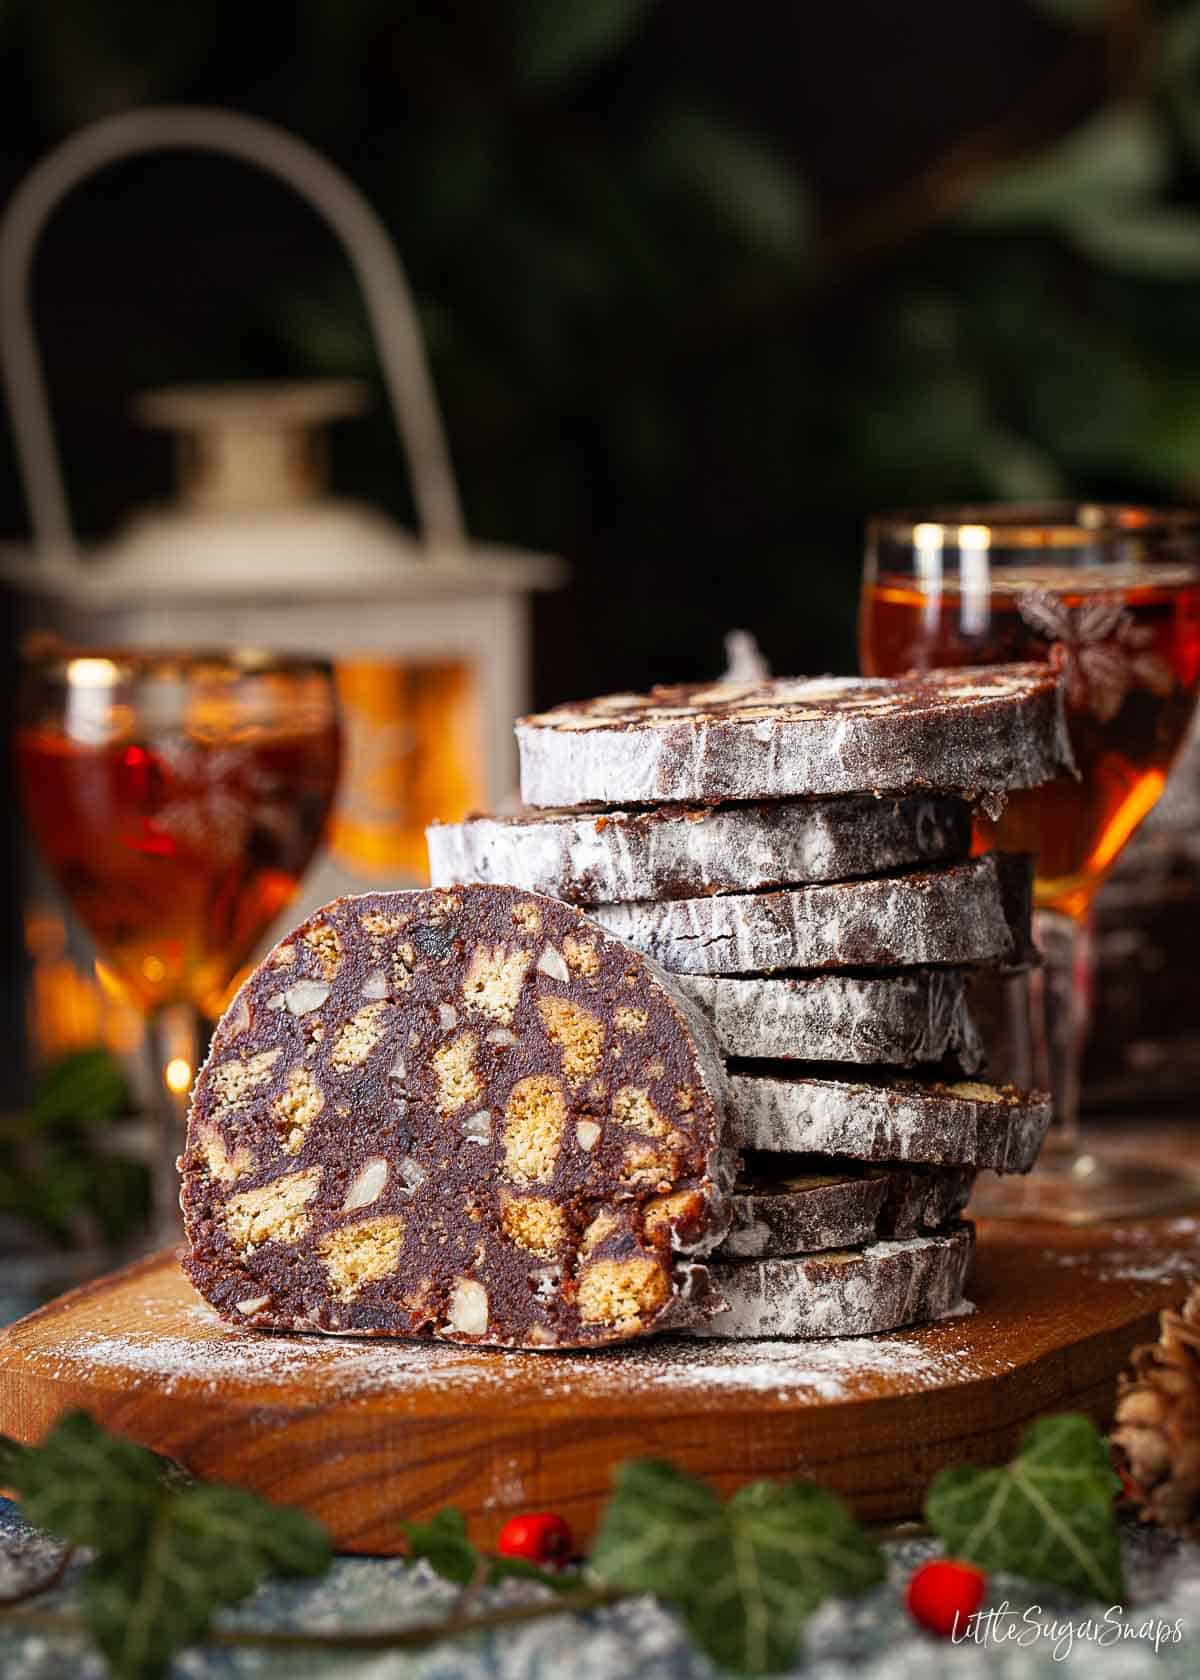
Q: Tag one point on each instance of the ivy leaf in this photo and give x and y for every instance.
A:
(792, 1545)
(1078, 14)
(1158, 242)
(1048, 1516)
(1179, 58)
(554, 43)
(56, 1169)
(11, 1454)
(1118, 157)
(208, 1546)
(443, 1543)
(743, 184)
(87, 1086)
(84, 1485)
(520, 1569)
(653, 1508)
(169, 1551)
(745, 1575)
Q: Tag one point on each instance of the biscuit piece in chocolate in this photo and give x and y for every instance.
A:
(977, 732)
(973, 912)
(848, 1292)
(464, 1113)
(690, 851)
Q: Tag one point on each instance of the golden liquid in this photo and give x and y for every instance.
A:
(178, 854)
(1130, 695)
(412, 754)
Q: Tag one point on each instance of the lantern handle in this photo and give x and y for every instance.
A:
(361, 233)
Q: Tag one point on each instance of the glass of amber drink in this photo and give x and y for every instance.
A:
(178, 799)
(1110, 597)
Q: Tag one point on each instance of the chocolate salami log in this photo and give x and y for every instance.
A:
(690, 851)
(807, 1204)
(978, 732)
(467, 1114)
(876, 1116)
(918, 1015)
(973, 912)
(849, 1292)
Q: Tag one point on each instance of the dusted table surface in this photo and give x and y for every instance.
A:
(871, 1638)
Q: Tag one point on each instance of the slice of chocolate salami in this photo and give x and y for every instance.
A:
(467, 1114)
(848, 1292)
(799, 1205)
(877, 1116)
(978, 732)
(801, 1211)
(690, 851)
(973, 912)
(924, 1199)
(917, 1015)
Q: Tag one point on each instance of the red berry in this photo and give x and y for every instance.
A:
(1129, 1492)
(945, 1594)
(540, 1536)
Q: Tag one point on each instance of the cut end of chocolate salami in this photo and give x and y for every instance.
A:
(690, 851)
(977, 732)
(969, 913)
(467, 1114)
(916, 1015)
(879, 1116)
(849, 1292)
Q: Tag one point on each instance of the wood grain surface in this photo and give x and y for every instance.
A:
(367, 1433)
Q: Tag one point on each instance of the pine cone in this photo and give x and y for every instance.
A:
(1156, 1437)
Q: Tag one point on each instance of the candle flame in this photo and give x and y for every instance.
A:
(177, 1075)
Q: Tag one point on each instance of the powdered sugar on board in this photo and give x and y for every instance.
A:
(149, 1333)
(187, 1348)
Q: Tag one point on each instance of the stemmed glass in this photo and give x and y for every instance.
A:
(178, 798)
(1110, 597)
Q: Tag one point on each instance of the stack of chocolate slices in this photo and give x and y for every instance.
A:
(795, 853)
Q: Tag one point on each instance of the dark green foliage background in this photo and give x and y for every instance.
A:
(702, 284)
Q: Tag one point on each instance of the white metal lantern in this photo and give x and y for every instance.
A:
(255, 550)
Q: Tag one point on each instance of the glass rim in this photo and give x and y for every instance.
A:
(1054, 524)
(106, 666)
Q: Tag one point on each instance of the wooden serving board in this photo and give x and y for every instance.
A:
(366, 1433)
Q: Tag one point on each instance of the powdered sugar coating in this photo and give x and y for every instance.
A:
(687, 851)
(982, 731)
(848, 1293)
(973, 912)
(895, 1019)
(887, 1119)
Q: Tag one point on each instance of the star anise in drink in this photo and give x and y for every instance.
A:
(1098, 648)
